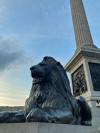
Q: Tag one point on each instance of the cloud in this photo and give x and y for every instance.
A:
(3, 10)
(11, 54)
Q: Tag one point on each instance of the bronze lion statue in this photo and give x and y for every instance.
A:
(50, 98)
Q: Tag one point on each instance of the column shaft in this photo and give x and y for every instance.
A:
(81, 27)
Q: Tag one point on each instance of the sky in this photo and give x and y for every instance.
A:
(30, 30)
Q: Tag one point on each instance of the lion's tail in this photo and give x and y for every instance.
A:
(85, 111)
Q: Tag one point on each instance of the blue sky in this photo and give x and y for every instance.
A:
(30, 30)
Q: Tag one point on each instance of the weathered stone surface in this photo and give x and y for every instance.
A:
(46, 128)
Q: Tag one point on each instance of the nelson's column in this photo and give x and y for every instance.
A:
(84, 66)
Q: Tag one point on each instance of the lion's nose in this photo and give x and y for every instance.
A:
(32, 68)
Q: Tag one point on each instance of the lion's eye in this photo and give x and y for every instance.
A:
(42, 64)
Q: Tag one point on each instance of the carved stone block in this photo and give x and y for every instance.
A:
(79, 81)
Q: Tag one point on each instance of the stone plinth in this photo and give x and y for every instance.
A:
(46, 128)
(85, 77)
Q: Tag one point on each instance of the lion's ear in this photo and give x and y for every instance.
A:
(45, 58)
(58, 63)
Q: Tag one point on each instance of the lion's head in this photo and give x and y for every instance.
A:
(50, 70)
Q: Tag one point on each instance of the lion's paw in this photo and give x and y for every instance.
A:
(37, 115)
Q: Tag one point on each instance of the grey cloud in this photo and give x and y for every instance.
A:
(10, 53)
